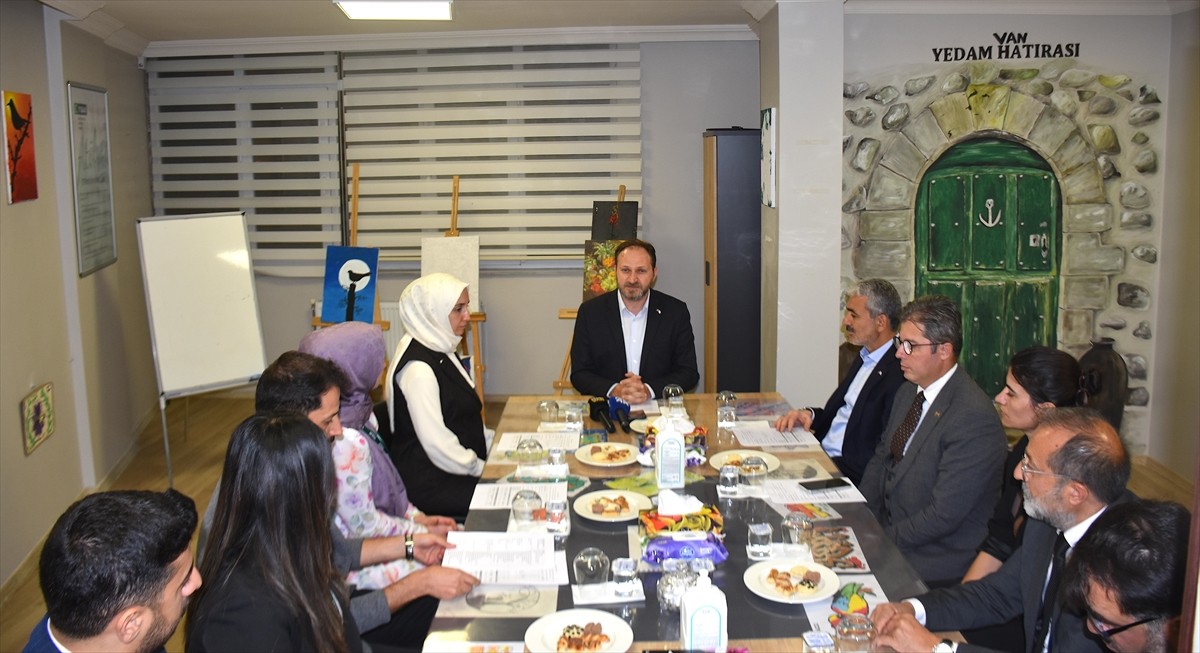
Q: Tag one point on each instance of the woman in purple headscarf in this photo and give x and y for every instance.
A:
(371, 498)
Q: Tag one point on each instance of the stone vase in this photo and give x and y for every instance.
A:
(1106, 380)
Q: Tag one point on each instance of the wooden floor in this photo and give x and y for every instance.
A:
(197, 454)
(198, 450)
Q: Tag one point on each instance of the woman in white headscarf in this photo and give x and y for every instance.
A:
(438, 436)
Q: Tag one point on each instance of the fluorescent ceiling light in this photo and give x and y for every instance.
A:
(395, 9)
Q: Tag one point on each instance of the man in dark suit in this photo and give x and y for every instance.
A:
(1074, 467)
(633, 341)
(117, 573)
(936, 471)
(850, 423)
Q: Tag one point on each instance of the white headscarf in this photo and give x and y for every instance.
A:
(425, 307)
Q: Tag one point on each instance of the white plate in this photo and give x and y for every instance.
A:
(639, 425)
(583, 454)
(718, 460)
(583, 505)
(543, 634)
(756, 581)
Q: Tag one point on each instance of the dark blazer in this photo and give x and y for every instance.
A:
(1015, 590)
(869, 417)
(598, 348)
(241, 613)
(935, 502)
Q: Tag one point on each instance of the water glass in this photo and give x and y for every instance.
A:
(726, 409)
(573, 417)
(530, 452)
(758, 540)
(556, 456)
(798, 528)
(591, 571)
(548, 411)
(855, 632)
(677, 578)
(625, 577)
(754, 474)
(556, 516)
(727, 481)
(673, 394)
(524, 505)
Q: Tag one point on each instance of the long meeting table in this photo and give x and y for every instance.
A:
(754, 622)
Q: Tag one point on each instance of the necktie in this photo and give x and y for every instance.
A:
(1042, 634)
(906, 428)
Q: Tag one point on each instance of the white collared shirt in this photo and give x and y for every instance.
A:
(633, 328)
(931, 394)
(832, 443)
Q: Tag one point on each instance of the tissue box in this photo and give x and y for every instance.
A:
(707, 520)
(685, 546)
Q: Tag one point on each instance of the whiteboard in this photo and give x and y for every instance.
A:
(200, 296)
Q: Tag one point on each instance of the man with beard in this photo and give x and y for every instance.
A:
(1074, 467)
(1129, 573)
(852, 420)
(633, 341)
(116, 573)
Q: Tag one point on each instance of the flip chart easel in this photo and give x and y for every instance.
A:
(449, 256)
(563, 383)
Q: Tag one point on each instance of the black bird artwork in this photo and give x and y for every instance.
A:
(354, 277)
(18, 122)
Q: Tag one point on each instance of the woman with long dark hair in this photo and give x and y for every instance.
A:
(274, 586)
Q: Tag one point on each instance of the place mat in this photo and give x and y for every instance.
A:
(645, 482)
(859, 594)
(501, 601)
(814, 511)
(575, 482)
(837, 547)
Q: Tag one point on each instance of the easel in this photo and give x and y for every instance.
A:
(563, 383)
(383, 324)
(475, 324)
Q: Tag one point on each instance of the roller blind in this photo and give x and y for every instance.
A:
(255, 133)
(536, 133)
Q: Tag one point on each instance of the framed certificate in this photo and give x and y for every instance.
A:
(91, 171)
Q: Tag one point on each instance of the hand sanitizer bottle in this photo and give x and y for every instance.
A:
(704, 617)
(669, 457)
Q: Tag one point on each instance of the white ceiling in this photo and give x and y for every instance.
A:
(132, 25)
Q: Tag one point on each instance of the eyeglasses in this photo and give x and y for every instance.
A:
(1106, 634)
(1026, 469)
(907, 345)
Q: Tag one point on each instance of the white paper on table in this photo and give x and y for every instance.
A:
(507, 558)
(503, 601)
(650, 407)
(565, 440)
(494, 496)
(761, 434)
(789, 491)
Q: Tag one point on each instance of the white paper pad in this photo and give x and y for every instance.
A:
(750, 434)
(495, 496)
(507, 558)
(650, 407)
(789, 491)
(606, 595)
(565, 440)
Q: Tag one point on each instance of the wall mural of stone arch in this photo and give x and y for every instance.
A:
(1099, 133)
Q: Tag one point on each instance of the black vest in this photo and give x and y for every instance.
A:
(433, 490)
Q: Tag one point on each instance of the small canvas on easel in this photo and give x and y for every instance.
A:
(458, 256)
(599, 267)
(349, 284)
(614, 220)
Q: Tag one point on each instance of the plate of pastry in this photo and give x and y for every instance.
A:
(579, 631)
(611, 505)
(607, 454)
(791, 581)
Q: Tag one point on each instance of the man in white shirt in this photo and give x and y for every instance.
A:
(1074, 467)
(633, 341)
(855, 415)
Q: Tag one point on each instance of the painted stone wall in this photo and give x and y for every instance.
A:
(1100, 131)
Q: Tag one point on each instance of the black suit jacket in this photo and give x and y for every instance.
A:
(598, 348)
(869, 417)
(1013, 591)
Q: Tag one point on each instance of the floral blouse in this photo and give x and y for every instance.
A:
(357, 516)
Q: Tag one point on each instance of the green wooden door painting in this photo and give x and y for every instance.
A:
(987, 237)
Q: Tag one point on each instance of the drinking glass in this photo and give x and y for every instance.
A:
(573, 417)
(548, 411)
(556, 516)
(677, 578)
(673, 395)
(726, 409)
(798, 528)
(625, 577)
(524, 504)
(754, 474)
(530, 452)
(556, 456)
(758, 539)
(727, 482)
(591, 571)
(855, 633)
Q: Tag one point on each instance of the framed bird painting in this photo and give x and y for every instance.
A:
(20, 168)
(349, 284)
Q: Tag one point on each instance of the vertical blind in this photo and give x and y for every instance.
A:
(536, 133)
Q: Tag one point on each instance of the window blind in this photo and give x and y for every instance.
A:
(255, 133)
(536, 133)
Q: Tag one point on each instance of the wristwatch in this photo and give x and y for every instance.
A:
(408, 547)
(945, 646)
